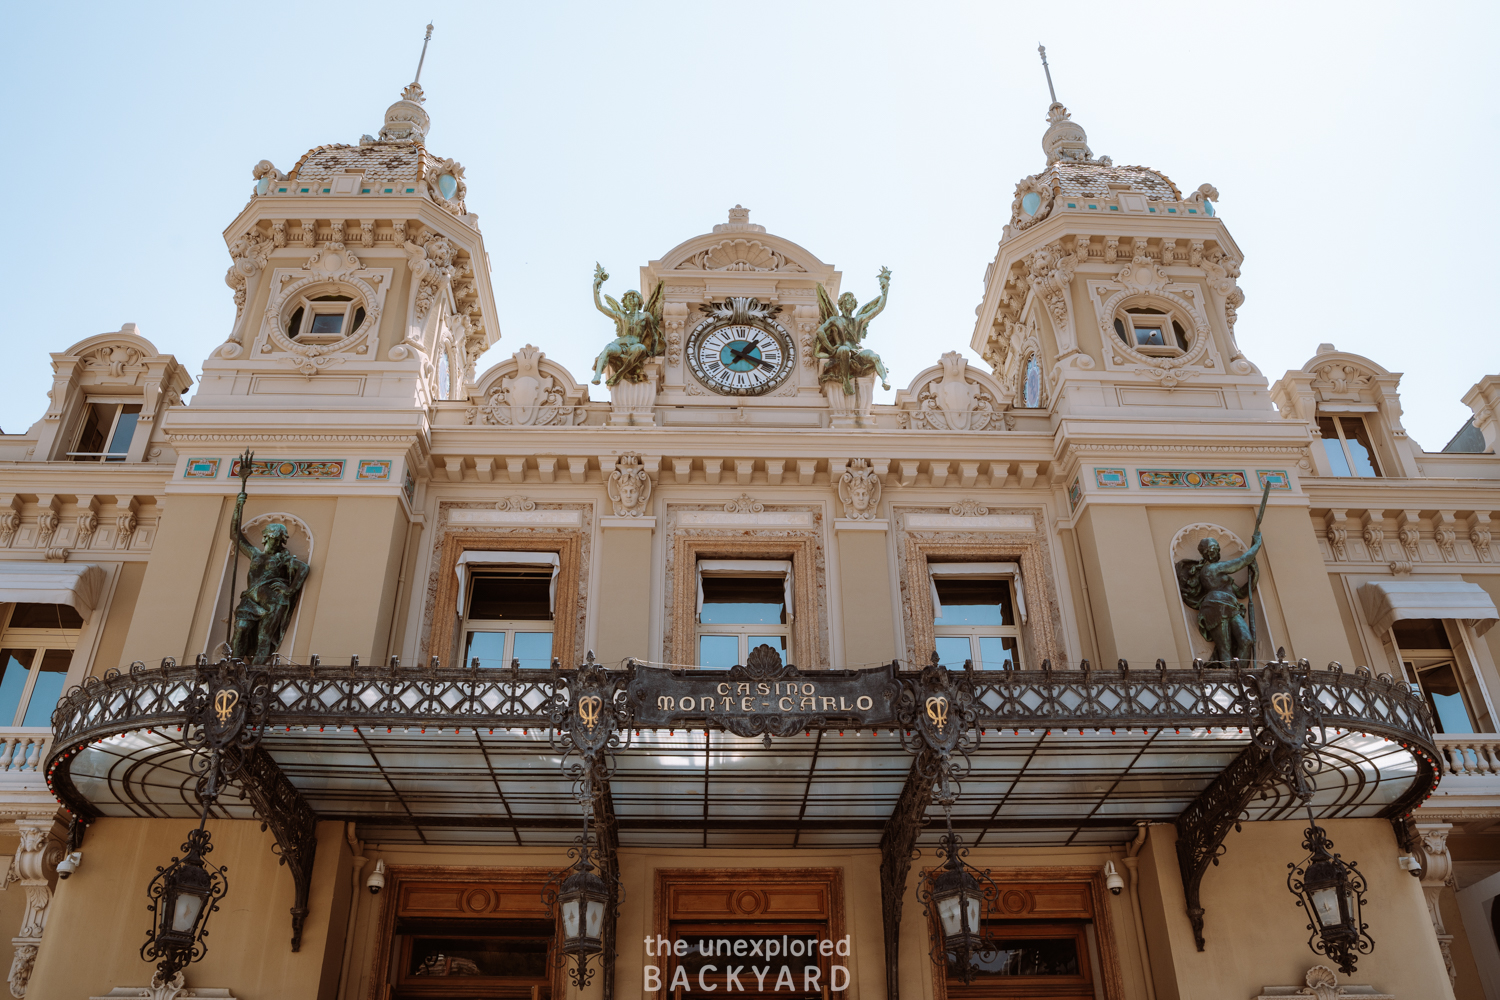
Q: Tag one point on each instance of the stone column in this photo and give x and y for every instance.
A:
(1437, 871)
(41, 848)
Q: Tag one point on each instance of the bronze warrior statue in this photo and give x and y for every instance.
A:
(272, 585)
(1208, 588)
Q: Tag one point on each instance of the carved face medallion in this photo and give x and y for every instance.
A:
(740, 360)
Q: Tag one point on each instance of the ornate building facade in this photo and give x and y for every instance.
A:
(1136, 628)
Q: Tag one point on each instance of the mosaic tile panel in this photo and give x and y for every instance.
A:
(1214, 479)
(286, 468)
(201, 468)
(371, 468)
(1075, 494)
(1111, 479)
(1278, 479)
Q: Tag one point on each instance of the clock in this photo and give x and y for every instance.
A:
(739, 358)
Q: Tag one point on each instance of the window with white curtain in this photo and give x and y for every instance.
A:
(977, 613)
(742, 604)
(507, 601)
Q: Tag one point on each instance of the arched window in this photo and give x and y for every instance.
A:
(1031, 382)
(444, 377)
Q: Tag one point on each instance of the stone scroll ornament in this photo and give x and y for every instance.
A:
(1208, 587)
(272, 584)
(840, 332)
(639, 333)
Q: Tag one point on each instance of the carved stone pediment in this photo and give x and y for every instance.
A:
(739, 254)
(527, 396)
(952, 397)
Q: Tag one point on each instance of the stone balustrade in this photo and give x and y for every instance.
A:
(1476, 754)
(23, 750)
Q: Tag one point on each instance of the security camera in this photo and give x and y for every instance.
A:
(1112, 879)
(69, 864)
(376, 881)
(1410, 864)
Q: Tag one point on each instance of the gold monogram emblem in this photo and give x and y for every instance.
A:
(1284, 707)
(937, 711)
(224, 703)
(588, 710)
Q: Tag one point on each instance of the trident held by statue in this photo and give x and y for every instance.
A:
(247, 466)
(1265, 494)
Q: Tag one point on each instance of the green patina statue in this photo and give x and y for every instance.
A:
(272, 585)
(840, 331)
(638, 333)
(1208, 587)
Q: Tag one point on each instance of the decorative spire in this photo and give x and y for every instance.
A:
(1064, 139)
(405, 121)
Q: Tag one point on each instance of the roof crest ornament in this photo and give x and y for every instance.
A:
(405, 121)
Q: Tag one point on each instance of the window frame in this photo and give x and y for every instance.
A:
(468, 626)
(1170, 321)
(119, 403)
(1336, 418)
(39, 641)
(1010, 572)
(785, 630)
(1413, 662)
(312, 308)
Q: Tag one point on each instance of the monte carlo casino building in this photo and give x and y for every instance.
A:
(1106, 670)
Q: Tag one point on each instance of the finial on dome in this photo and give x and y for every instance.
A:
(405, 121)
(1064, 139)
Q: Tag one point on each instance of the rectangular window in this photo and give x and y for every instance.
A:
(106, 432)
(977, 613)
(1030, 959)
(743, 604)
(508, 608)
(35, 652)
(1431, 664)
(1346, 441)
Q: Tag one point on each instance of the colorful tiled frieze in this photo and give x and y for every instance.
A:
(1278, 479)
(1213, 479)
(409, 487)
(201, 468)
(1075, 493)
(373, 468)
(278, 468)
(1111, 479)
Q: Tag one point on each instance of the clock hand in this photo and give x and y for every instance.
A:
(745, 356)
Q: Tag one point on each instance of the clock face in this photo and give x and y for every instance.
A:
(741, 359)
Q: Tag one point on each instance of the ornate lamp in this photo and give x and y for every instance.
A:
(183, 895)
(1331, 890)
(958, 892)
(581, 901)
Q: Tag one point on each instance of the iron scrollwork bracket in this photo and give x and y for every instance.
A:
(283, 811)
(1281, 708)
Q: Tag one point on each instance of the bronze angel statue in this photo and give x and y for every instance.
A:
(638, 333)
(1208, 587)
(840, 331)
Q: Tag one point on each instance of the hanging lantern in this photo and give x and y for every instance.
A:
(958, 894)
(581, 900)
(1331, 891)
(182, 896)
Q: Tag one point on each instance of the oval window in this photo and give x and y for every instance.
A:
(1030, 202)
(1031, 387)
(294, 325)
(445, 378)
(447, 186)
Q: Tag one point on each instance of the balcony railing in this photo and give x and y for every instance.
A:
(1473, 754)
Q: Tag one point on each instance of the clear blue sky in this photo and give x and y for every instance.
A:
(1354, 146)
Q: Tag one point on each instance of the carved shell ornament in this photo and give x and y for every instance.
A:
(1033, 201)
(739, 255)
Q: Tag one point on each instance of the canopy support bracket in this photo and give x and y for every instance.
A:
(607, 832)
(283, 811)
(1203, 825)
(897, 850)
